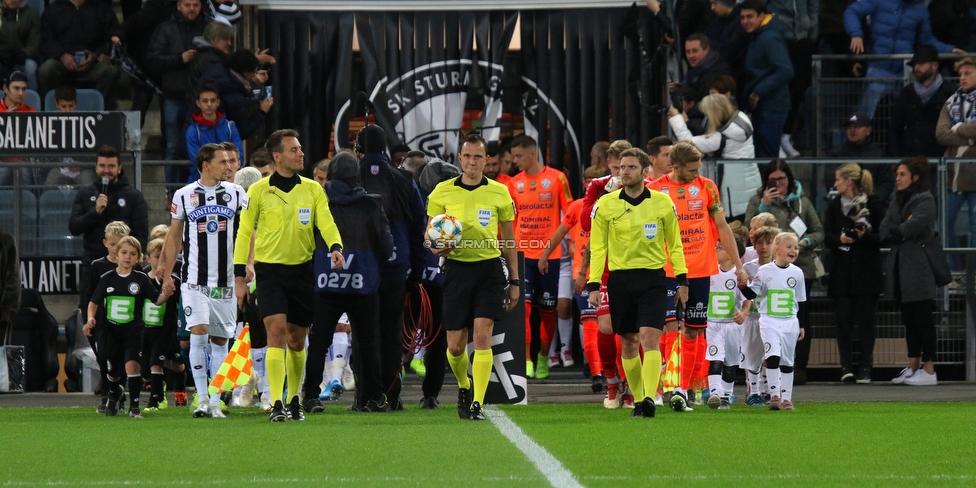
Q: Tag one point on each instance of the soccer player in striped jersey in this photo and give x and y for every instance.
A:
(204, 218)
(780, 285)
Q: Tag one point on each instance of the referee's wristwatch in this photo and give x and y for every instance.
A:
(516, 282)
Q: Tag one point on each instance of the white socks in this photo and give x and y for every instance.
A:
(753, 380)
(257, 360)
(217, 356)
(715, 384)
(774, 379)
(198, 365)
(787, 387)
(565, 327)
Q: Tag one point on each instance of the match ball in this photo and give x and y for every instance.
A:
(444, 230)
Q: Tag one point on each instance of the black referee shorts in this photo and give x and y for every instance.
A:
(638, 298)
(286, 289)
(472, 290)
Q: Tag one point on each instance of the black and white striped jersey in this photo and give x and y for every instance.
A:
(209, 216)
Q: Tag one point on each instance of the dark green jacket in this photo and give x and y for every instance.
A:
(20, 30)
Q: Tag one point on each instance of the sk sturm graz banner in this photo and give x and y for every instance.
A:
(420, 68)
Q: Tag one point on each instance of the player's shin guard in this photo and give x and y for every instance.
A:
(135, 388)
(547, 330)
(275, 368)
(689, 361)
(295, 370)
(786, 380)
(773, 375)
(650, 373)
(198, 365)
(633, 368)
(607, 345)
(156, 388)
(752, 379)
(459, 365)
(667, 344)
(728, 380)
(217, 356)
(590, 332)
(480, 372)
(715, 378)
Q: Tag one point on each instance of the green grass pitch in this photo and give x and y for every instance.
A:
(827, 444)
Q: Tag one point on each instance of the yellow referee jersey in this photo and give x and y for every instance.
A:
(285, 222)
(635, 233)
(479, 208)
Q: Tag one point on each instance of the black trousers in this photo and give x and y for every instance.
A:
(364, 316)
(859, 310)
(436, 357)
(919, 329)
(801, 52)
(803, 316)
(391, 294)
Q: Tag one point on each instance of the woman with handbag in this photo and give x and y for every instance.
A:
(907, 228)
(782, 195)
(851, 232)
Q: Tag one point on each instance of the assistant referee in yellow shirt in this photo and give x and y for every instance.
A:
(474, 282)
(635, 230)
(286, 207)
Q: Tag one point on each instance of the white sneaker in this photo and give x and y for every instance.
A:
(922, 378)
(265, 402)
(215, 412)
(554, 361)
(202, 411)
(348, 380)
(786, 147)
(904, 375)
(658, 401)
(567, 358)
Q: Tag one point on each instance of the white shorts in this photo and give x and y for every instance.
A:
(566, 279)
(779, 338)
(751, 345)
(201, 306)
(723, 342)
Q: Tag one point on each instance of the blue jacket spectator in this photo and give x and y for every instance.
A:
(203, 131)
(769, 70)
(896, 27)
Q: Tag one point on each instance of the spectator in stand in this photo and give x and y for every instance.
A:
(768, 73)
(398, 153)
(134, 34)
(952, 22)
(14, 90)
(107, 200)
(262, 161)
(416, 160)
(209, 126)
(782, 195)
(170, 54)
(129, 7)
(234, 81)
(800, 19)
(20, 40)
(724, 85)
(212, 50)
(224, 11)
(956, 130)
(690, 16)
(911, 129)
(598, 155)
(728, 136)
(726, 35)
(897, 26)
(704, 65)
(851, 233)
(685, 97)
(859, 146)
(76, 38)
(65, 99)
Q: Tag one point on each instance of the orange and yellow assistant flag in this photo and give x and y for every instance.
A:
(236, 369)
(671, 378)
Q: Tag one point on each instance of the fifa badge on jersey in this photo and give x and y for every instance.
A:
(650, 230)
(484, 217)
(304, 216)
(694, 190)
(121, 202)
(134, 288)
(374, 170)
(546, 183)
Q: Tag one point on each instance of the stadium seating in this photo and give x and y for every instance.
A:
(36, 330)
(54, 210)
(31, 98)
(89, 100)
(27, 218)
(37, 5)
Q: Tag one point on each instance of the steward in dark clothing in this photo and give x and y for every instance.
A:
(404, 208)
(354, 289)
(912, 124)
(165, 53)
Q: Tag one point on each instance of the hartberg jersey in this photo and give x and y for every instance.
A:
(724, 296)
(479, 209)
(577, 236)
(209, 229)
(695, 202)
(781, 289)
(124, 297)
(539, 201)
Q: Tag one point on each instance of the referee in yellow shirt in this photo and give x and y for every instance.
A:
(286, 207)
(635, 230)
(474, 282)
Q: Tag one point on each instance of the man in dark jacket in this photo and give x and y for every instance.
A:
(726, 35)
(704, 64)
(800, 21)
(769, 71)
(135, 34)
(354, 289)
(109, 199)
(212, 50)
(405, 209)
(234, 81)
(169, 55)
(74, 36)
(20, 40)
(916, 111)
(860, 146)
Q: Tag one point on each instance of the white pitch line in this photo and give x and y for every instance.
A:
(549, 466)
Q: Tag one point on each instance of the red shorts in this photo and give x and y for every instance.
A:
(604, 308)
